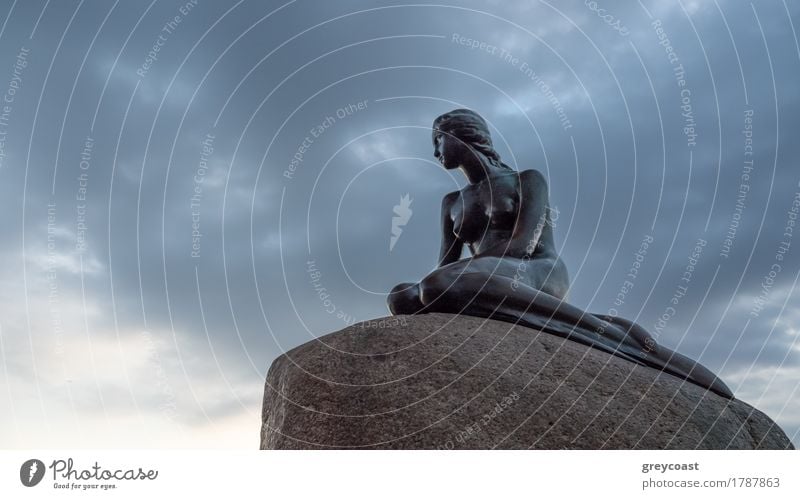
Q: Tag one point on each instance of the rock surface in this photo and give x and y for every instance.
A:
(441, 381)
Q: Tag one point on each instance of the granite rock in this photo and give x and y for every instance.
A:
(440, 381)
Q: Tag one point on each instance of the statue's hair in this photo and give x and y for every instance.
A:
(469, 127)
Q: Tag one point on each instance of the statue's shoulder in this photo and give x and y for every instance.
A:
(450, 198)
(533, 179)
(532, 175)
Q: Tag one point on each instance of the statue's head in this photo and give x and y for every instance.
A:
(462, 132)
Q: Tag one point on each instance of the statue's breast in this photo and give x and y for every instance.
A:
(482, 211)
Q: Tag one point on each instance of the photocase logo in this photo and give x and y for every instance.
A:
(403, 215)
(31, 472)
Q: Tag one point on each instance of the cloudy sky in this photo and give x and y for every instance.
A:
(175, 176)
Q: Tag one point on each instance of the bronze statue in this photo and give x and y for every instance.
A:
(514, 273)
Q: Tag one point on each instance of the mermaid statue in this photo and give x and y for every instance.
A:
(514, 273)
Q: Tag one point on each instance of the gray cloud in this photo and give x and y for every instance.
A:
(628, 176)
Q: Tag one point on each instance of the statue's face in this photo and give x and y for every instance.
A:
(449, 150)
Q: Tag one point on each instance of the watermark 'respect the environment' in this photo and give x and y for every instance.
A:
(167, 29)
(523, 67)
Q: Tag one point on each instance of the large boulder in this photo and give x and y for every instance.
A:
(441, 381)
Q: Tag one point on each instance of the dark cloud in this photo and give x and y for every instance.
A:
(263, 78)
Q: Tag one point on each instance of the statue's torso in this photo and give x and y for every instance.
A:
(484, 215)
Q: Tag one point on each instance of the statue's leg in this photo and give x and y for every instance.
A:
(548, 275)
(640, 334)
(472, 289)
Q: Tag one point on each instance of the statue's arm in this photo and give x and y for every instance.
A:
(533, 201)
(451, 245)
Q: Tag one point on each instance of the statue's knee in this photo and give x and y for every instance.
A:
(403, 288)
(404, 299)
(432, 287)
(555, 280)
